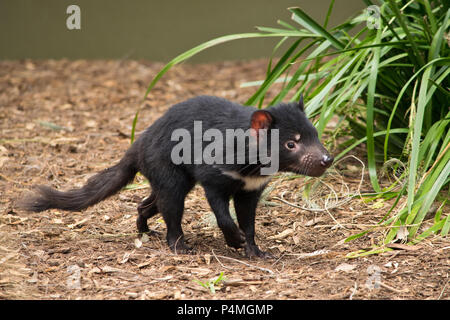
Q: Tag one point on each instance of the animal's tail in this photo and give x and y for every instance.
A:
(97, 188)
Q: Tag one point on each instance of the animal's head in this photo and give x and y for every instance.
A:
(300, 150)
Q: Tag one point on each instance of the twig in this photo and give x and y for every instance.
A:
(236, 260)
(312, 209)
(353, 291)
(384, 285)
(443, 289)
(347, 198)
(44, 140)
(13, 181)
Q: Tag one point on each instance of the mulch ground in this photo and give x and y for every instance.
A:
(62, 121)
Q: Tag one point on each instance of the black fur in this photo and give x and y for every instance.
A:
(151, 155)
(97, 188)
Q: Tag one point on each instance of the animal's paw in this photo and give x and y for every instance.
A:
(252, 251)
(180, 247)
(235, 239)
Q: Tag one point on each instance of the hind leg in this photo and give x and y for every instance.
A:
(172, 212)
(171, 187)
(146, 210)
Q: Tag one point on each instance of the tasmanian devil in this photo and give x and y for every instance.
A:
(230, 171)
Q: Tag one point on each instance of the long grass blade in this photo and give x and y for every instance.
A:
(299, 16)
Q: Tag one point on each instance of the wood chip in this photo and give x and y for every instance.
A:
(59, 250)
(401, 246)
(108, 269)
(241, 282)
(282, 235)
(77, 224)
(144, 264)
(345, 267)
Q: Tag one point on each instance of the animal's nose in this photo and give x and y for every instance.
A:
(326, 161)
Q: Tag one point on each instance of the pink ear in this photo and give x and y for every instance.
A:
(261, 119)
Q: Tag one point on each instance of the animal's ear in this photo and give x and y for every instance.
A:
(261, 119)
(300, 103)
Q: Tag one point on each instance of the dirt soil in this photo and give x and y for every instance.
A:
(62, 121)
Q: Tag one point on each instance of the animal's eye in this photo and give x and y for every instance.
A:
(290, 145)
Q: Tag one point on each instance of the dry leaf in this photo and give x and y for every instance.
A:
(3, 161)
(401, 246)
(34, 278)
(108, 269)
(65, 106)
(74, 278)
(155, 295)
(79, 223)
(378, 204)
(312, 254)
(253, 289)
(345, 267)
(144, 238)
(110, 83)
(402, 234)
(207, 258)
(125, 257)
(91, 124)
(132, 294)
(177, 295)
(3, 151)
(282, 235)
(94, 270)
(313, 222)
(164, 279)
(241, 282)
(137, 243)
(200, 271)
(144, 264)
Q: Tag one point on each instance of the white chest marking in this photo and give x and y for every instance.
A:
(250, 183)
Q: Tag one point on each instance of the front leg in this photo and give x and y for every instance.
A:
(245, 204)
(219, 202)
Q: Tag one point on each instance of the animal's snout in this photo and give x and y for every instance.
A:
(326, 161)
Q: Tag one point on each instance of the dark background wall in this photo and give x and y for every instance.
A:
(148, 29)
